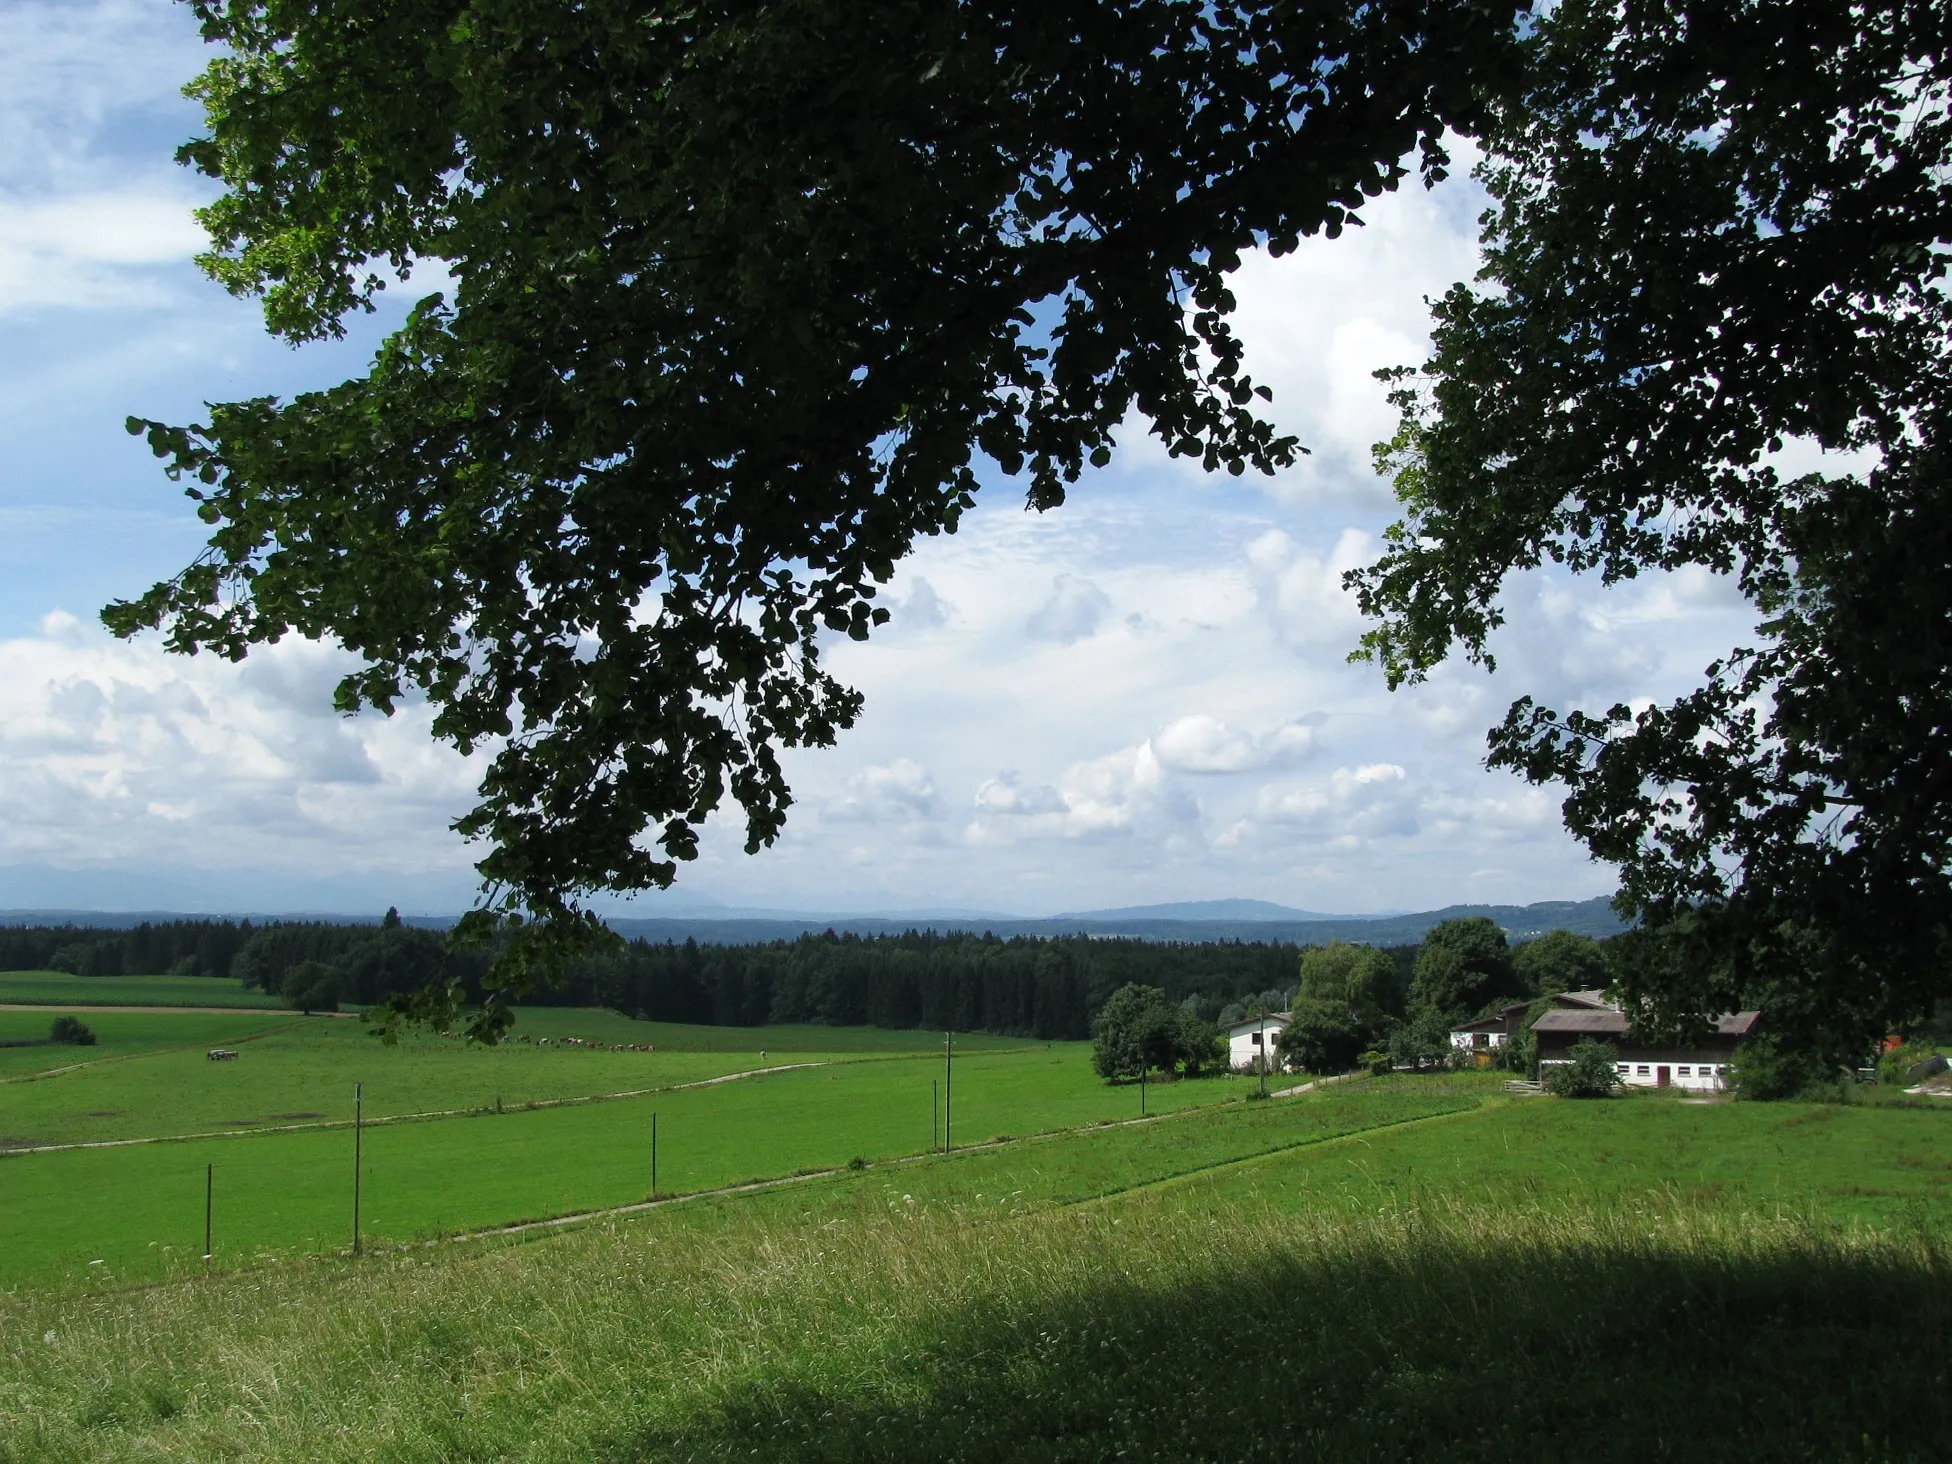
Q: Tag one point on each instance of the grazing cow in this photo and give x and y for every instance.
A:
(220, 1054)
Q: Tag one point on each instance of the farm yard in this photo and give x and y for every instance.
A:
(1383, 1250)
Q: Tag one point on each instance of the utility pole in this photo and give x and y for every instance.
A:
(935, 1113)
(948, 1090)
(358, 1123)
(209, 1195)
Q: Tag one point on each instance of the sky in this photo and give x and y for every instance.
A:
(1143, 696)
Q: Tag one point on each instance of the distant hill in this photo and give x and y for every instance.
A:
(1207, 910)
(1520, 922)
(1195, 920)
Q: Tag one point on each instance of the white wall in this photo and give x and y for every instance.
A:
(1243, 1054)
(1701, 1077)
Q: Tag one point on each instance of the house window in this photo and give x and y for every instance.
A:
(1682, 1071)
(1642, 1070)
(1623, 1068)
(1257, 1039)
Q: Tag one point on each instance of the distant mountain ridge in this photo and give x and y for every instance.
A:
(1256, 910)
(1593, 917)
(1262, 921)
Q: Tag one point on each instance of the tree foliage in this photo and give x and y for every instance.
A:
(1719, 229)
(1357, 976)
(1592, 1073)
(1323, 1036)
(739, 294)
(72, 1030)
(1464, 963)
(1560, 961)
(1140, 1030)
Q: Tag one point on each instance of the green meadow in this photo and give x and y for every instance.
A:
(1410, 1266)
(529, 1129)
(1109, 1291)
(58, 988)
(125, 1034)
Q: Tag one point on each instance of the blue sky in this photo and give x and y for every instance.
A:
(1140, 697)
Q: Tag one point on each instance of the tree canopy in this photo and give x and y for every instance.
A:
(1719, 232)
(1463, 964)
(1355, 976)
(733, 298)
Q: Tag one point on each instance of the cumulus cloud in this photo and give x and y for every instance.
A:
(1204, 744)
(1124, 792)
(1319, 322)
(1072, 612)
(1354, 805)
(1302, 593)
(1008, 794)
(112, 752)
(922, 608)
(898, 791)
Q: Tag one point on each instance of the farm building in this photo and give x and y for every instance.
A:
(1486, 1034)
(1252, 1041)
(1702, 1066)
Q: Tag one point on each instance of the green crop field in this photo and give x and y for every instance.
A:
(58, 988)
(123, 1034)
(1882, 1163)
(273, 1122)
(1544, 1278)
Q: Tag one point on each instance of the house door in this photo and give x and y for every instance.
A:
(1660, 1076)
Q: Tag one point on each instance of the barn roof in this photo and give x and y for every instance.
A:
(1612, 1020)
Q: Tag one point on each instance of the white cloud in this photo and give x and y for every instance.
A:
(1354, 805)
(1204, 744)
(922, 608)
(120, 753)
(1073, 611)
(1302, 592)
(1317, 323)
(1007, 794)
(898, 791)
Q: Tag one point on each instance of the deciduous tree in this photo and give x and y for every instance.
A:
(1720, 231)
(732, 298)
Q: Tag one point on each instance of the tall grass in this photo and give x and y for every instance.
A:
(867, 1326)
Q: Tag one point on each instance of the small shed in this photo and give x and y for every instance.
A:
(1250, 1043)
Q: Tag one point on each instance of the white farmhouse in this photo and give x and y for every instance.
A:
(1250, 1044)
(1703, 1066)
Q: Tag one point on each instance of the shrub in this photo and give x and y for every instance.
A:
(1423, 1041)
(1766, 1070)
(1375, 1062)
(1591, 1074)
(1323, 1037)
(71, 1029)
(312, 986)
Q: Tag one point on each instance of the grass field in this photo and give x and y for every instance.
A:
(1412, 1266)
(1235, 1286)
(58, 988)
(1884, 1165)
(283, 1155)
(121, 1035)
